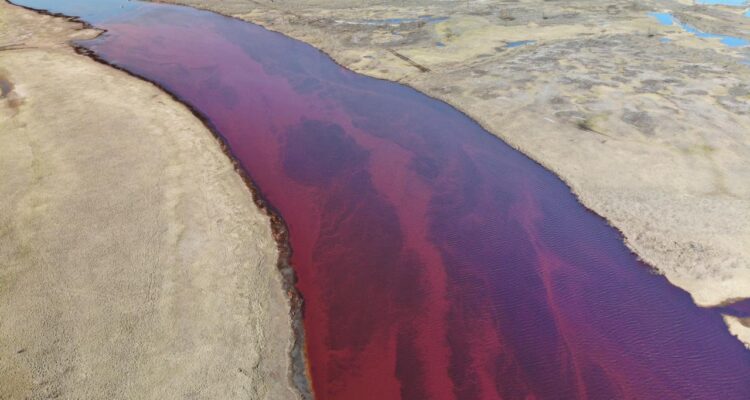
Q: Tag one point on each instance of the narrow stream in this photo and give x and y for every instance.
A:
(434, 260)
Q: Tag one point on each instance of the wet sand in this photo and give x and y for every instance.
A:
(135, 263)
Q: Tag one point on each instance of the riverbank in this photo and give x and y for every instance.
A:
(136, 263)
(648, 124)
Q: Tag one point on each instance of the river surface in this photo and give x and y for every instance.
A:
(435, 261)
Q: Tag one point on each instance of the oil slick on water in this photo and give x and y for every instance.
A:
(435, 260)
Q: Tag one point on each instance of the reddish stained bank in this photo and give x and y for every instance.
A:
(435, 261)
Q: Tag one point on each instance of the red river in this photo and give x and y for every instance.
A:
(435, 262)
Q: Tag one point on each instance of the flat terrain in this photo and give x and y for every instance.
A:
(648, 124)
(134, 261)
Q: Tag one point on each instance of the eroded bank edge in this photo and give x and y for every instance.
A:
(299, 373)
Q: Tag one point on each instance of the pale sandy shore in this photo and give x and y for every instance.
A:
(133, 261)
(648, 124)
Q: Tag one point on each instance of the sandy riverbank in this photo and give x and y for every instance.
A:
(648, 124)
(134, 261)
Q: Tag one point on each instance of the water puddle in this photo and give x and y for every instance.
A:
(436, 262)
(5, 87)
(668, 19)
(519, 43)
